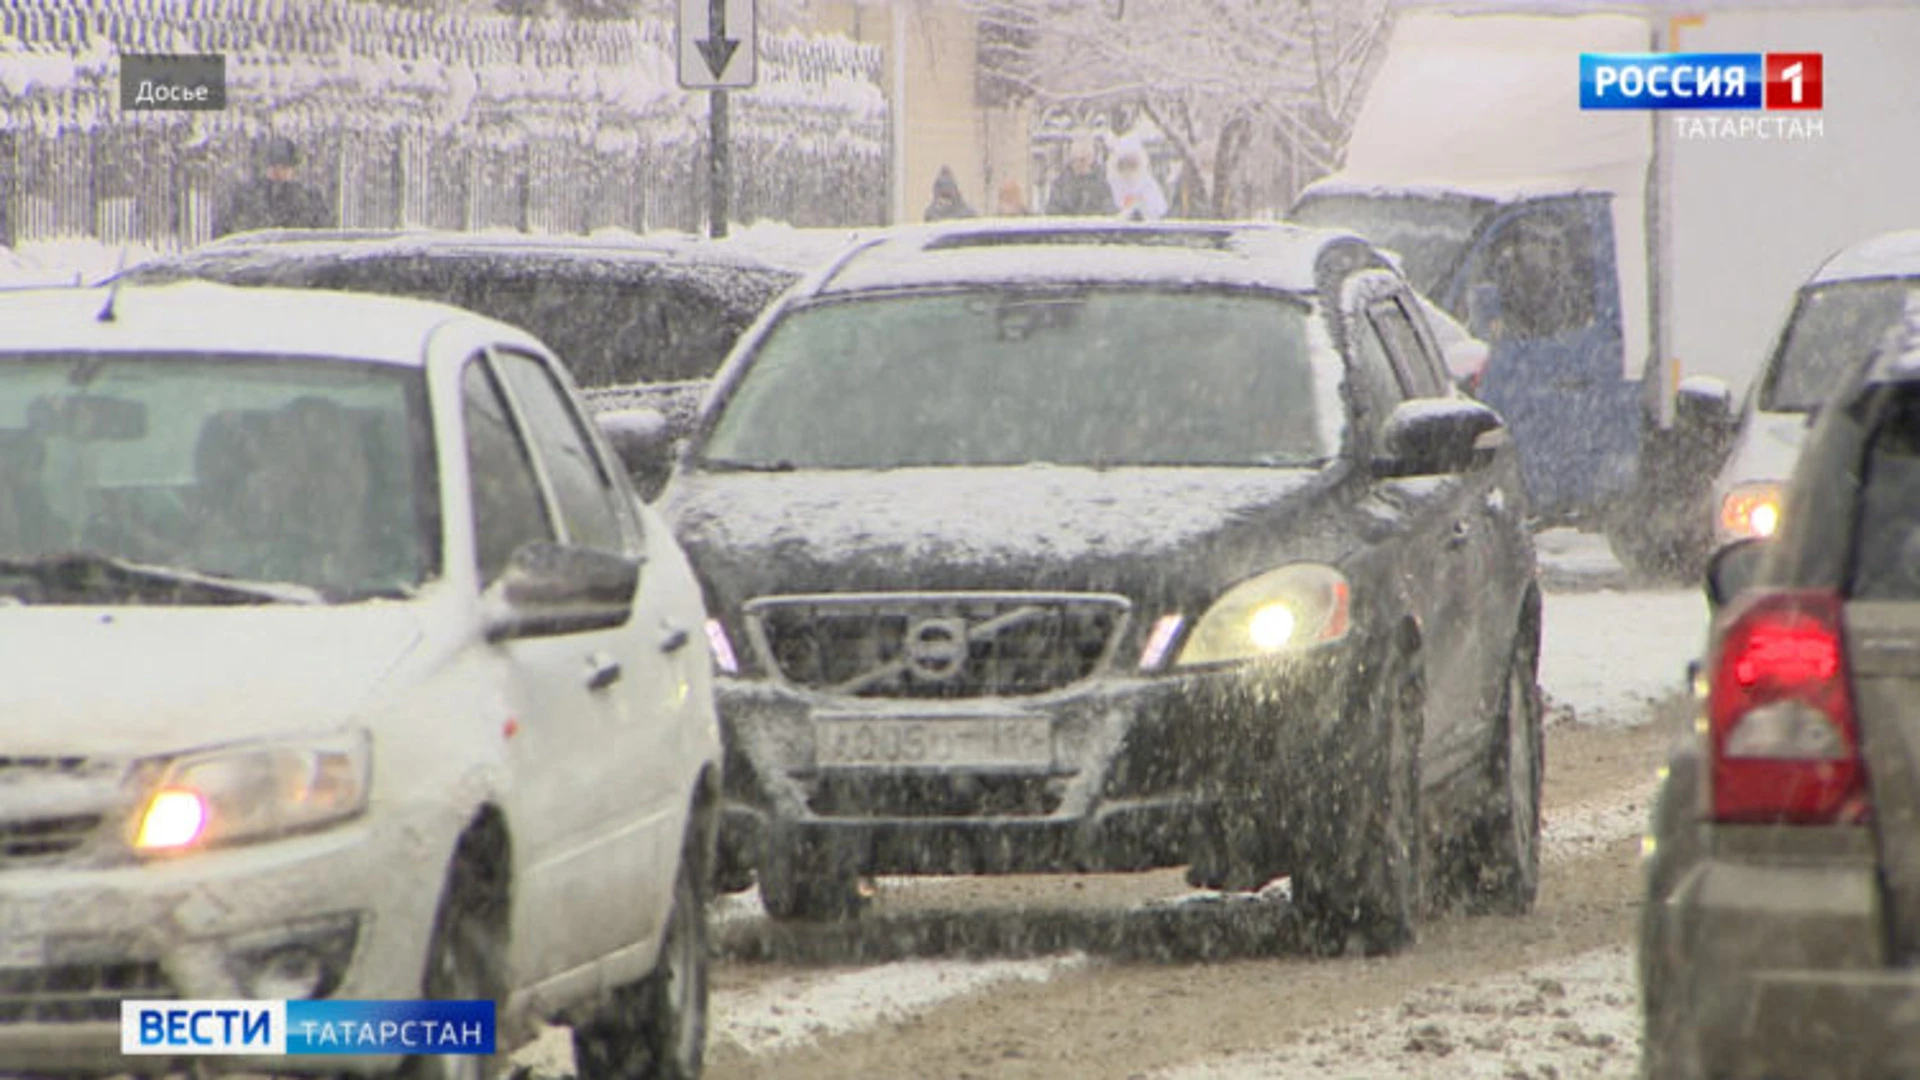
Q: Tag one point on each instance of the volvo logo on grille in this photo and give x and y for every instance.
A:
(936, 649)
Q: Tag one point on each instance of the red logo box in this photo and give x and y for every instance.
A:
(1794, 81)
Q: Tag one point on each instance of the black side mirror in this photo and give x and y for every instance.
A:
(551, 589)
(1732, 568)
(644, 440)
(1428, 436)
(1703, 403)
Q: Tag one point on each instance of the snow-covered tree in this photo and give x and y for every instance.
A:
(1219, 78)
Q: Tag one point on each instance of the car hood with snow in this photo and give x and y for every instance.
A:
(187, 677)
(1160, 536)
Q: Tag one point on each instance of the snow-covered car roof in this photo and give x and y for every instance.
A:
(1035, 251)
(348, 243)
(1894, 254)
(208, 318)
(1515, 190)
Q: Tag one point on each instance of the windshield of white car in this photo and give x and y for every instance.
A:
(1107, 376)
(1833, 328)
(1428, 235)
(286, 478)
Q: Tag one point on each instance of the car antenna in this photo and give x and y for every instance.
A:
(113, 288)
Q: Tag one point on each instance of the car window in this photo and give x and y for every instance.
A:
(589, 502)
(1412, 362)
(1095, 376)
(1376, 389)
(508, 509)
(1832, 328)
(1541, 268)
(290, 469)
(1886, 562)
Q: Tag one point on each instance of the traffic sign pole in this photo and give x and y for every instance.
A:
(719, 164)
(712, 33)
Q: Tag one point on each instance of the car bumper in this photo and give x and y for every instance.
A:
(1132, 758)
(1784, 965)
(79, 940)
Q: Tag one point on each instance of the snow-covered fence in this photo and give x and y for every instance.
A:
(409, 118)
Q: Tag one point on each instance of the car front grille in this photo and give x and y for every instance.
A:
(78, 993)
(934, 795)
(51, 807)
(37, 838)
(936, 645)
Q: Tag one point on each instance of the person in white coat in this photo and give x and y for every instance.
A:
(1136, 193)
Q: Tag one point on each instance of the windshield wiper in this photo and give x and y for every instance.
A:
(726, 465)
(50, 568)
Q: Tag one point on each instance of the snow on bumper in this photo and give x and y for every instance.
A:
(1130, 760)
(357, 901)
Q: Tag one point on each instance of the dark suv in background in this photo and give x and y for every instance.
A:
(619, 310)
(1060, 547)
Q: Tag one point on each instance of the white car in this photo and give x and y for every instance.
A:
(341, 661)
(1843, 314)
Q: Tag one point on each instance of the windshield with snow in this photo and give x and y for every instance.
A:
(1110, 376)
(1428, 234)
(1832, 328)
(265, 469)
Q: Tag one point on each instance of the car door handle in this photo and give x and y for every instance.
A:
(1458, 538)
(675, 639)
(602, 671)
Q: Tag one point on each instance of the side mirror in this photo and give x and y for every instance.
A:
(1731, 569)
(1427, 436)
(550, 589)
(1703, 402)
(644, 441)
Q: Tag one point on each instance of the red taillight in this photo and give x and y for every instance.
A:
(1786, 749)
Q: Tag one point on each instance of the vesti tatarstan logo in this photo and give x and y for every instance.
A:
(1792, 84)
(275, 1028)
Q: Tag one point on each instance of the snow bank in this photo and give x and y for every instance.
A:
(66, 261)
(1607, 657)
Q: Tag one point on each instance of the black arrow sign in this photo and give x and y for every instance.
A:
(717, 47)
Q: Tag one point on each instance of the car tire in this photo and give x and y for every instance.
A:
(656, 1028)
(467, 954)
(1502, 862)
(1364, 882)
(805, 876)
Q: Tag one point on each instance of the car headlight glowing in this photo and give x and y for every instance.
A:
(174, 819)
(1750, 510)
(252, 791)
(1278, 611)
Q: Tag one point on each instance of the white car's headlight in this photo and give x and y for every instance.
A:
(1278, 611)
(252, 791)
(1751, 510)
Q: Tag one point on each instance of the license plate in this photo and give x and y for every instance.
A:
(958, 741)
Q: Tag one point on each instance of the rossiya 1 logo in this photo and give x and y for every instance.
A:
(1775, 81)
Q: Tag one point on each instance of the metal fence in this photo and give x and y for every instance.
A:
(406, 118)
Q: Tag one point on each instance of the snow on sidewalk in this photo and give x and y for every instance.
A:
(1578, 1017)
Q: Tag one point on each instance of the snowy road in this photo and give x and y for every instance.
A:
(1137, 976)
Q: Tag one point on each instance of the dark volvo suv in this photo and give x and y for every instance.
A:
(1082, 546)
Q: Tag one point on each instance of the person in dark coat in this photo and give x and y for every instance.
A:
(947, 201)
(1081, 191)
(277, 200)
